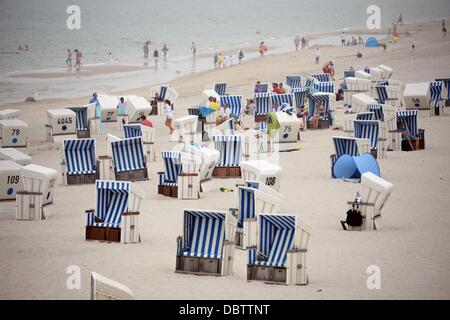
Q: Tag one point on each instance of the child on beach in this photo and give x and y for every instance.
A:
(169, 115)
(262, 48)
(318, 113)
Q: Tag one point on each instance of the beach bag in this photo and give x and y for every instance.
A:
(354, 217)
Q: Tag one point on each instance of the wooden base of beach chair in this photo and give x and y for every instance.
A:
(323, 124)
(266, 274)
(227, 172)
(134, 175)
(374, 153)
(261, 118)
(168, 191)
(83, 134)
(199, 266)
(238, 240)
(29, 206)
(77, 179)
(102, 234)
(412, 144)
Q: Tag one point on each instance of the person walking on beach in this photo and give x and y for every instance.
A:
(262, 48)
(69, 59)
(78, 56)
(297, 42)
(164, 50)
(444, 31)
(240, 55)
(317, 56)
(168, 109)
(303, 43)
(343, 38)
(194, 49)
(412, 50)
(146, 49)
(156, 56)
(219, 59)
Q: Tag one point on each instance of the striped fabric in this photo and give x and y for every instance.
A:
(310, 82)
(299, 96)
(285, 107)
(220, 88)
(313, 99)
(276, 237)
(283, 98)
(436, 92)
(81, 117)
(409, 119)
(263, 103)
(79, 156)
(172, 166)
(368, 129)
(446, 82)
(349, 73)
(262, 126)
(128, 154)
(322, 77)
(194, 111)
(112, 201)
(246, 200)
(294, 81)
(234, 103)
(381, 93)
(230, 150)
(377, 110)
(365, 116)
(324, 86)
(204, 233)
(132, 130)
(345, 145)
(383, 82)
(162, 93)
(264, 87)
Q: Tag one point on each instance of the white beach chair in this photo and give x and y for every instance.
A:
(15, 155)
(206, 246)
(13, 133)
(187, 129)
(10, 181)
(137, 107)
(61, 124)
(8, 114)
(386, 71)
(103, 288)
(162, 93)
(417, 96)
(262, 171)
(361, 101)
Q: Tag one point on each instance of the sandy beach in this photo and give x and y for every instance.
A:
(412, 250)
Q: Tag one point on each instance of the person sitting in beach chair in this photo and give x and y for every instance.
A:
(318, 113)
(224, 114)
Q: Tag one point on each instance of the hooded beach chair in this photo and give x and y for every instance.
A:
(148, 138)
(294, 81)
(349, 73)
(208, 158)
(108, 108)
(375, 191)
(411, 136)
(61, 124)
(436, 92)
(10, 181)
(377, 110)
(162, 93)
(369, 129)
(348, 145)
(263, 105)
(15, 155)
(230, 155)
(129, 159)
(132, 131)
(365, 116)
(137, 107)
(187, 128)
(82, 121)
(103, 288)
(386, 71)
(206, 246)
(388, 94)
(446, 89)
(300, 95)
(353, 85)
(262, 171)
(327, 100)
(116, 214)
(323, 86)
(279, 99)
(13, 133)
(251, 202)
(309, 83)
(234, 103)
(220, 88)
(322, 77)
(79, 164)
(360, 102)
(7, 114)
(167, 180)
(280, 254)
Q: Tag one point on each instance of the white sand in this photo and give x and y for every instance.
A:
(412, 249)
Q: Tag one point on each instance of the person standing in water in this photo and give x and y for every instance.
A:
(146, 49)
(164, 50)
(317, 56)
(297, 42)
(194, 49)
(156, 56)
(78, 56)
(69, 59)
(262, 48)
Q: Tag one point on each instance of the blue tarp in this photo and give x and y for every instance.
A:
(372, 42)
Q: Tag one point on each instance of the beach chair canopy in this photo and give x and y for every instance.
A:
(253, 201)
(81, 117)
(79, 155)
(275, 238)
(263, 103)
(234, 103)
(220, 88)
(283, 98)
(381, 93)
(172, 165)
(367, 129)
(327, 86)
(375, 190)
(446, 82)
(314, 98)
(436, 92)
(128, 154)
(345, 145)
(132, 130)
(322, 77)
(377, 110)
(294, 81)
(365, 116)
(229, 148)
(204, 233)
(299, 96)
(409, 120)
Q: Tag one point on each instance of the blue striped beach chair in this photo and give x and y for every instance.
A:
(234, 103)
(172, 168)
(388, 94)
(132, 130)
(294, 81)
(79, 164)
(368, 129)
(409, 120)
(230, 155)
(348, 145)
(280, 254)
(377, 110)
(279, 99)
(436, 93)
(446, 82)
(322, 77)
(161, 93)
(82, 121)
(365, 116)
(323, 86)
(300, 95)
(194, 111)
(206, 246)
(129, 159)
(381, 93)
(324, 98)
(263, 105)
(251, 202)
(349, 73)
(220, 88)
(115, 217)
(309, 83)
